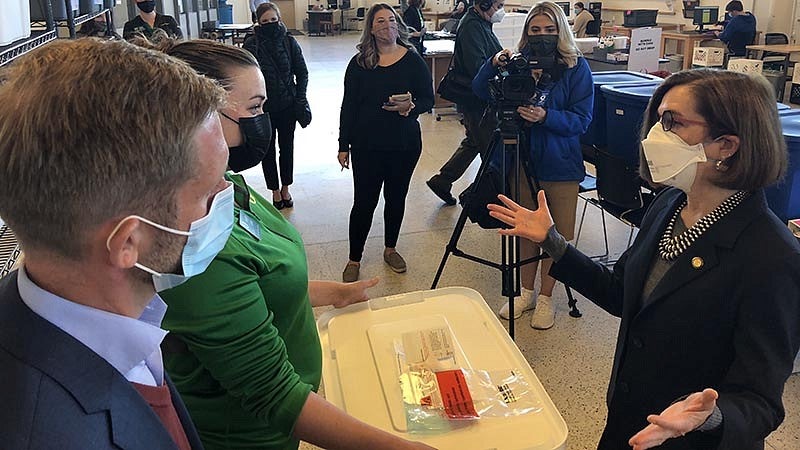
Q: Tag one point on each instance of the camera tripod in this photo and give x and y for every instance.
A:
(510, 134)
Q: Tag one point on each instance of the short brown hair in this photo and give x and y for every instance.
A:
(264, 7)
(94, 130)
(735, 104)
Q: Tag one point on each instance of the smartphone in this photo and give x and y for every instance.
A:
(400, 98)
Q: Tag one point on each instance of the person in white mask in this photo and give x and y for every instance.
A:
(709, 292)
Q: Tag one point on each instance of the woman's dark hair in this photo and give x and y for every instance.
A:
(264, 7)
(416, 3)
(579, 5)
(210, 58)
(738, 104)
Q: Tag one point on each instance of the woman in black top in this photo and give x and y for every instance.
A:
(285, 72)
(379, 128)
(148, 21)
(415, 23)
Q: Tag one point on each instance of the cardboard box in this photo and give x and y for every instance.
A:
(708, 56)
(745, 65)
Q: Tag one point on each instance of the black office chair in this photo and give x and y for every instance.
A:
(360, 13)
(593, 28)
(619, 190)
(772, 60)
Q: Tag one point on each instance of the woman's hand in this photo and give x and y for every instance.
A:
(403, 107)
(501, 58)
(678, 419)
(533, 114)
(355, 292)
(344, 160)
(532, 225)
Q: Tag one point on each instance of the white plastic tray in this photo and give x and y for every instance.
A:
(360, 376)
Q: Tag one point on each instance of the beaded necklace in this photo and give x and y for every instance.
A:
(670, 247)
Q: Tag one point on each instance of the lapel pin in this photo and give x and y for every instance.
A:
(697, 262)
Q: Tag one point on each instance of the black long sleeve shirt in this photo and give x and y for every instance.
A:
(364, 125)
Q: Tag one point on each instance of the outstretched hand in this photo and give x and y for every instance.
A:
(678, 419)
(532, 225)
(355, 292)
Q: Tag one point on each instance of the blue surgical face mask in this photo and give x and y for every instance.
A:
(206, 237)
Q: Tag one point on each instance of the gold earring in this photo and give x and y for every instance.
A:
(721, 166)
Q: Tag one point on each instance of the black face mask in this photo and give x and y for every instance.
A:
(147, 7)
(256, 136)
(270, 30)
(542, 44)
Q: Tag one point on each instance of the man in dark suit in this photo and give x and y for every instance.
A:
(100, 185)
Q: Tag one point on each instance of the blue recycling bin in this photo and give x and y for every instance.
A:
(783, 107)
(625, 108)
(784, 197)
(596, 133)
(224, 12)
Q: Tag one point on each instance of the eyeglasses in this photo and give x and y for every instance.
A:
(668, 121)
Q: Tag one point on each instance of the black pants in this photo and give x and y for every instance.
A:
(283, 124)
(371, 170)
(476, 142)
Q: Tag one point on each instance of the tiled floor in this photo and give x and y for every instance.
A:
(573, 359)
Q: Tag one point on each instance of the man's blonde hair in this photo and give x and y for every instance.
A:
(94, 130)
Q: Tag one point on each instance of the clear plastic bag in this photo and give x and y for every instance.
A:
(438, 393)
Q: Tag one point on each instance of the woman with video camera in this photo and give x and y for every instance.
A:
(555, 124)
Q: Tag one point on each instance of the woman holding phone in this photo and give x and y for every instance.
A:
(386, 86)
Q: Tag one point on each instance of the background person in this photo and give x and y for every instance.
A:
(415, 23)
(475, 42)
(709, 292)
(553, 138)
(381, 135)
(740, 31)
(582, 19)
(148, 21)
(284, 68)
(243, 347)
(98, 259)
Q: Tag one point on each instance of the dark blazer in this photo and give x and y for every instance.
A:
(56, 393)
(726, 315)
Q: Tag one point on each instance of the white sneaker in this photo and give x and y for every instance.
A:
(522, 303)
(545, 315)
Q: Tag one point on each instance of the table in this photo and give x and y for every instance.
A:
(437, 56)
(785, 49)
(687, 41)
(315, 17)
(626, 31)
(235, 31)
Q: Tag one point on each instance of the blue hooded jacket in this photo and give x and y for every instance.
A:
(555, 148)
(740, 32)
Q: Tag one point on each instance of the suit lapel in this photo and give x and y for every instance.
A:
(183, 415)
(91, 381)
(702, 256)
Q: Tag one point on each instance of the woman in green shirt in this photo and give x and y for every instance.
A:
(243, 348)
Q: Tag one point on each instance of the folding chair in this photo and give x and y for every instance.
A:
(619, 191)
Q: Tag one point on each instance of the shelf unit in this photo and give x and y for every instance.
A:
(45, 31)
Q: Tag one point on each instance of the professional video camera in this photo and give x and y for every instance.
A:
(514, 86)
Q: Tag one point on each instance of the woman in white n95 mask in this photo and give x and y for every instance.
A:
(709, 292)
